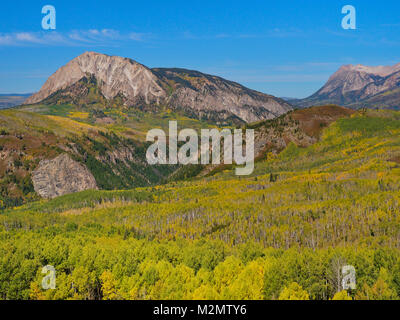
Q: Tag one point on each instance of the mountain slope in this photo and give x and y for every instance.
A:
(210, 96)
(200, 95)
(301, 127)
(300, 217)
(359, 86)
(26, 138)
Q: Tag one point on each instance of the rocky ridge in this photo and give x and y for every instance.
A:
(200, 95)
(359, 86)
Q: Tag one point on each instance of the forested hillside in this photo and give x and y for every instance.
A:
(282, 233)
(110, 142)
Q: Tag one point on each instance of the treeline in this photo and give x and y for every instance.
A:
(91, 267)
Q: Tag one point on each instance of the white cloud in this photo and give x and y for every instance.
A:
(5, 39)
(71, 38)
(137, 36)
(272, 33)
(26, 36)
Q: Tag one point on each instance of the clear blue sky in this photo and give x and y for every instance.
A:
(285, 48)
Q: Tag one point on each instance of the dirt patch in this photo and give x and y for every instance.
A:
(105, 120)
(395, 159)
(313, 120)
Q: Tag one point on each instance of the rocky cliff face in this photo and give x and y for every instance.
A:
(359, 85)
(209, 96)
(61, 175)
(113, 74)
(198, 94)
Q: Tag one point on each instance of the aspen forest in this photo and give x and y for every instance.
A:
(283, 232)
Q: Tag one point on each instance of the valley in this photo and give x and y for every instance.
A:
(11, 100)
(304, 211)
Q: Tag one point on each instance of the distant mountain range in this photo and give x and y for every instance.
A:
(200, 95)
(358, 86)
(92, 78)
(11, 100)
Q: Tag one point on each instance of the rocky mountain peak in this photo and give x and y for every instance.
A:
(114, 75)
(381, 71)
(199, 95)
(359, 85)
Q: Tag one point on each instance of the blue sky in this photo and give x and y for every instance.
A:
(286, 48)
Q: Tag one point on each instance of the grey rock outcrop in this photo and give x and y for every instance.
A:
(61, 175)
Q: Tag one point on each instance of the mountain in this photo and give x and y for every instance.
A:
(359, 86)
(11, 100)
(199, 95)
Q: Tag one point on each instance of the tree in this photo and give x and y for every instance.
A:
(294, 292)
(342, 295)
(205, 292)
(248, 284)
(108, 286)
(335, 273)
(226, 272)
(35, 293)
(381, 290)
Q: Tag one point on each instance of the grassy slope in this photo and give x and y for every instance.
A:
(340, 193)
(354, 165)
(132, 123)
